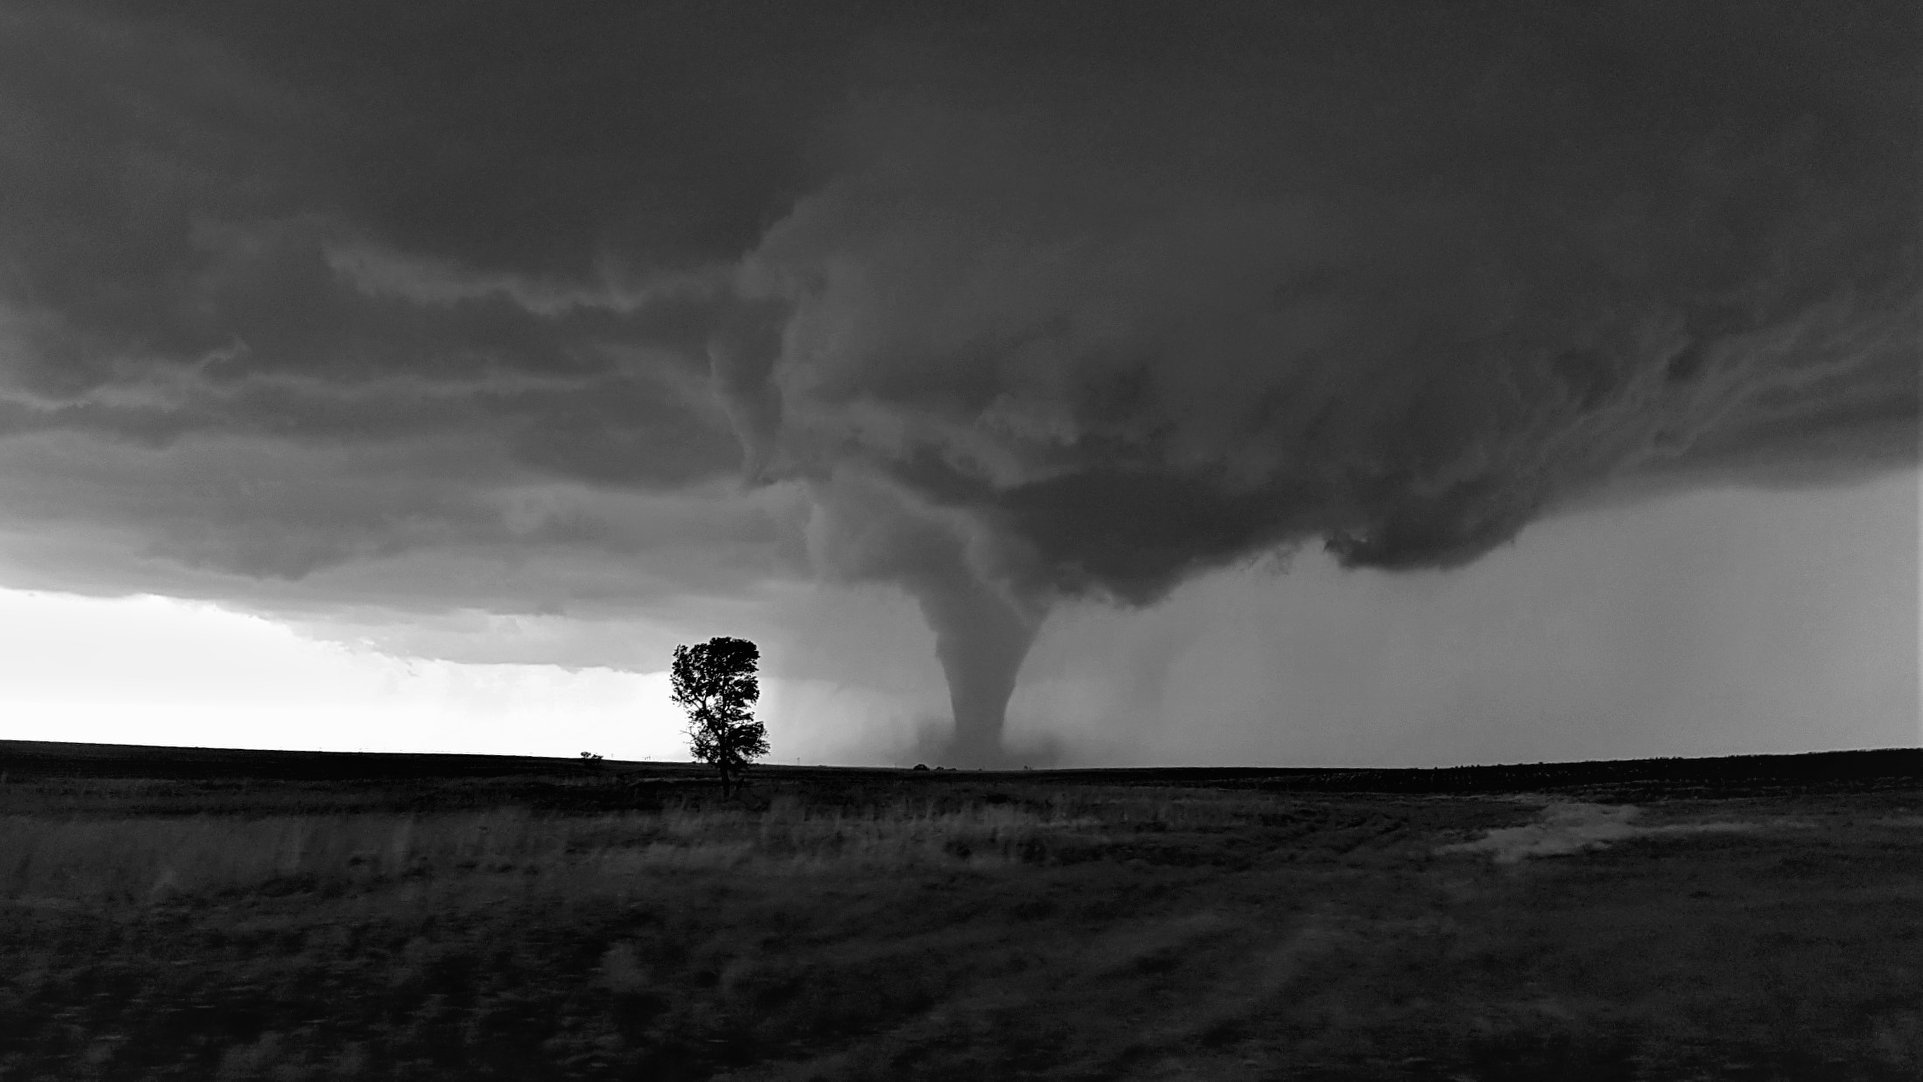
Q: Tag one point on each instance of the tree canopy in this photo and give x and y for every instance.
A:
(715, 683)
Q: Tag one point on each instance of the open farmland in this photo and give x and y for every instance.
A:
(239, 915)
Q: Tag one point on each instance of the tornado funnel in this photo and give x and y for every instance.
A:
(981, 637)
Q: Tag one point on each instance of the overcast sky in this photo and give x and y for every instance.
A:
(1279, 383)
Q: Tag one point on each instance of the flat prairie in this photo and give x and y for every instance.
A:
(172, 914)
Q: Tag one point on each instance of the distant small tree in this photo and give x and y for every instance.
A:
(715, 683)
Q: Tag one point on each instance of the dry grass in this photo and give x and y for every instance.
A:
(950, 928)
(130, 861)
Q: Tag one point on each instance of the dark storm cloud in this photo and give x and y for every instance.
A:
(423, 307)
(1401, 281)
(1402, 278)
(423, 526)
(205, 244)
(515, 138)
(1034, 300)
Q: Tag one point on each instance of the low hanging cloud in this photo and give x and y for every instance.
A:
(512, 313)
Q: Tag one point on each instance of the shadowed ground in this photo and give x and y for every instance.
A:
(550, 921)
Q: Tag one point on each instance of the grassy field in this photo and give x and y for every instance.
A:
(546, 921)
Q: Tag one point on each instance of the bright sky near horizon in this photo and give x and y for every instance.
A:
(1789, 626)
(418, 376)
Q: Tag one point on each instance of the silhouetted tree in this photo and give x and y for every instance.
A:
(715, 683)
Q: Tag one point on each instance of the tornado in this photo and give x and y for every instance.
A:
(982, 635)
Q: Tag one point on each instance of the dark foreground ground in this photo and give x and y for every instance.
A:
(225, 915)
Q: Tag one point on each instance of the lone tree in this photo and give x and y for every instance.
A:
(715, 683)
